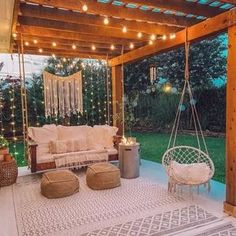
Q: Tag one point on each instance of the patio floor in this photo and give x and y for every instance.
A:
(212, 202)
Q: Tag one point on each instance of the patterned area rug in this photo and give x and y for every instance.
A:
(138, 207)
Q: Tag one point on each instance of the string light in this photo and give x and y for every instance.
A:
(140, 35)
(26, 43)
(74, 46)
(106, 21)
(35, 41)
(124, 29)
(93, 47)
(14, 35)
(53, 55)
(54, 44)
(40, 50)
(112, 47)
(172, 36)
(153, 37)
(64, 59)
(150, 42)
(131, 46)
(84, 7)
(164, 37)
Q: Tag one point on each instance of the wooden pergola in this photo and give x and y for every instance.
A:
(129, 30)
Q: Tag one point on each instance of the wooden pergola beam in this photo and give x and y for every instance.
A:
(195, 32)
(79, 28)
(63, 53)
(53, 33)
(179, 6)
(229, 1)
(116, 11)
(86, 19)
(46, 40)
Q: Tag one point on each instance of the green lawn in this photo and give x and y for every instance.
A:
(153, 146)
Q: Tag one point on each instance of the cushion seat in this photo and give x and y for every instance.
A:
(59, 183)
(103, 176)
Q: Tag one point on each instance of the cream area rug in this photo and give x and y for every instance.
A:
(138, 207)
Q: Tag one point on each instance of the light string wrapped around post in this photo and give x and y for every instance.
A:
(108, 118)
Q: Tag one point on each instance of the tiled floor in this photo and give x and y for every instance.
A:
(213, 201)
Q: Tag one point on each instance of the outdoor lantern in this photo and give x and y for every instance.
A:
(153, 73)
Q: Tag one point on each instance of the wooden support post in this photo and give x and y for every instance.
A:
(117, 95)
(230, 203)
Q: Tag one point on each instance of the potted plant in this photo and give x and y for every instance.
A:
(3, 146)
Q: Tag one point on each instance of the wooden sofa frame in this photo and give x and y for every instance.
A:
(32, 156)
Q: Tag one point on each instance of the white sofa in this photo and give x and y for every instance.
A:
(53, 146)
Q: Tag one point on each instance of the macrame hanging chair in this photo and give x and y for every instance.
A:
(187, 165)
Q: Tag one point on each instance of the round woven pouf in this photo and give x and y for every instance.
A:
(59, 183)
(8, 172)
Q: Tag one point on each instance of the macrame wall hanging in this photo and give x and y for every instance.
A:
(63, 96)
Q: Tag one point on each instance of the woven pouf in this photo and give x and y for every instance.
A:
(59, 183)
(103, 176)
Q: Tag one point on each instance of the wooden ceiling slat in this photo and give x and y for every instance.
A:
(64, 54)
(53, 33)
(117, 11)
(229, 1)
(71, 27)
(75, 17)
(179, 6)
(69, 43)
(80, 49)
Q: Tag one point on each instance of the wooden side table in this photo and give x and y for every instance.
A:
(129, 160)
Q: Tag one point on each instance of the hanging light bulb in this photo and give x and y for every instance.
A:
(112, 47)
(74, 46)
(124, 29)
(172, 36)
(54, 44)
(93, 47)
(64, 59)
(35, 41)
(150, 42)
(164, 37)
(153, 37)
(40, 50)
(131, 46)
(14, 35)
(84, 7)
(26, 43)
(54, 56)
(140, 35)
(106, 21)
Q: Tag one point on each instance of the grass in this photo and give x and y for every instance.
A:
(153, 146)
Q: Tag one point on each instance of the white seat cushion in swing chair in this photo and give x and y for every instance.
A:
(190, 174)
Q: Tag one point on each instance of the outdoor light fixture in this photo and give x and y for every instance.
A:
(164, 37)
(40, 50)
(85, 7)
(150, 42)
(140, 35)
(54, 44)
(93, 48)
(167, 88)
(74, 46)
(172, 36)
(124, 29)
(153, 37)
(26, 43)
(35, 41)
(131, 46)
(106, 21)
(112, 47)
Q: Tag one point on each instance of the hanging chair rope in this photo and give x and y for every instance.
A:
(195, 117)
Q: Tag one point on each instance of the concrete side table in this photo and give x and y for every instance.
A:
(129, 160)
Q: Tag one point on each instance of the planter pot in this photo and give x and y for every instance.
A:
(4, 151)
(7, 157)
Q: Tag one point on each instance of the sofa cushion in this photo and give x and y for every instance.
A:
(65, 146)
(72, 132)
